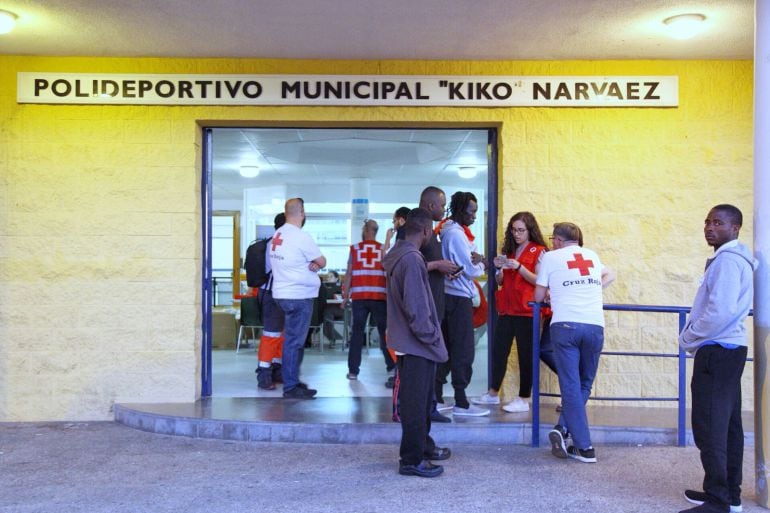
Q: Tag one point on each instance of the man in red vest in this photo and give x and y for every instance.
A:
(365, 286)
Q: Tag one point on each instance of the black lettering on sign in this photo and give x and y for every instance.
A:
(599, 91)
(632, 91)
(112, 90)
(40, 85)
(357, 90)
(581, 91)
(387, 88)
(128, 89)
(562, 91)
(61, 87)
(252, 89)
(185, 89)
(144, 86)
(418, 92)
(287, 89)
(80, 93)
(506, 93)
(543, 90)
(167, 85)
(203, 85)
(614, 90)
(232, 88)
(652, 86)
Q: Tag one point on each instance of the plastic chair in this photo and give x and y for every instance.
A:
(251, 318)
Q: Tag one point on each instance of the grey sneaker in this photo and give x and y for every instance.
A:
(486, 399)
(470, 411)
(696, 497)
(558, 447)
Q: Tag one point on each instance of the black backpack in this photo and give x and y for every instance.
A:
(256, 274)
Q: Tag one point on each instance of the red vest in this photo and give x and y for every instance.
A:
(516, 292)
(367, 279)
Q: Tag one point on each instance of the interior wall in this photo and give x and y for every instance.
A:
(100, 243)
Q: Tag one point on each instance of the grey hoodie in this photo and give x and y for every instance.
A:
(456, 247)
(413, 326)
(723, 299)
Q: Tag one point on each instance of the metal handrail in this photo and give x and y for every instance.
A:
(681, 399)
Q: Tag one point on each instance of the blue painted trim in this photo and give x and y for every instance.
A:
(493, 206)
(206, 285)
(681, 399)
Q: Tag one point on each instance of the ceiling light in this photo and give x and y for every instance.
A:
(7, 21)
(249, 171)
(684, 26)
(467, 172)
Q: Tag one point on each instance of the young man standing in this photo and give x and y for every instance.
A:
(457, 246)
(575, 277)
(716, 334)
(414, 333)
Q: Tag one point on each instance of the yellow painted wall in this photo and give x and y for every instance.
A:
(100, 236)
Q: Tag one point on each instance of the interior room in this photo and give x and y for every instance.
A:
(345, 176)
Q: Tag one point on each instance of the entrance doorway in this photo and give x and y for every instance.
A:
(344, 175)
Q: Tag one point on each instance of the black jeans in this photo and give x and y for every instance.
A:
(518, 327)
(362, 308)
(458, 335)
(415, 395)
(716, 419)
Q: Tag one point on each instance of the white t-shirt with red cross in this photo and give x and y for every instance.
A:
(290, 252)
(574, 277)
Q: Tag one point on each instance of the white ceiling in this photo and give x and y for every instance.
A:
(378, 29)
(330, 158)
(463, 30)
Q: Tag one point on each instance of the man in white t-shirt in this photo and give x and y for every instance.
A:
(295, 260)
(575, 277)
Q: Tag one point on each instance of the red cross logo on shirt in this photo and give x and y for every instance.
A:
(277, 240)
(580, 263)
(369, 255)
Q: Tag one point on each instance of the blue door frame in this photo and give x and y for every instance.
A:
(206, 215)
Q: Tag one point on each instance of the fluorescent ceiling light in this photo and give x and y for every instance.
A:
(684, 26)
(249, 171)
(467, 172)
(7, 21)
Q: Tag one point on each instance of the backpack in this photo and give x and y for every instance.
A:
(256, 274)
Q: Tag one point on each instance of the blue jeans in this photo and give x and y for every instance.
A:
(296, 326)
(576, 348)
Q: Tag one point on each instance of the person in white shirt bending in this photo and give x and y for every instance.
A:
(575, 277)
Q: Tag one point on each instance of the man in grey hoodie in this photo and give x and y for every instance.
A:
(414, 333)
(457, 246)
(716, 334)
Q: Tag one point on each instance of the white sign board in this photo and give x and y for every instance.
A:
(353, 90)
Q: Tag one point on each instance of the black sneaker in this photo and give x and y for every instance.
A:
(265, 378)
(298, 393)
(584, 455)
(277, 375)
(696, 497)
(558, 446)
(313, 391)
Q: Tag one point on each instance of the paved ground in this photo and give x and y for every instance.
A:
(107, 467)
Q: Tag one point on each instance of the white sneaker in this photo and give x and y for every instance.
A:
(518, 405)
(443, 406)
(486, 399)
(470, 411)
